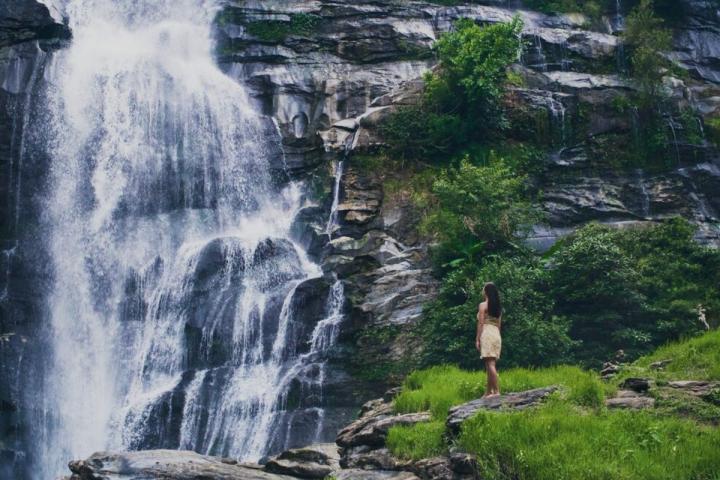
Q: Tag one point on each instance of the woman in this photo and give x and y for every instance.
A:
(487, 340)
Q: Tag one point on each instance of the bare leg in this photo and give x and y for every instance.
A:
(488, 387)
(492, 377)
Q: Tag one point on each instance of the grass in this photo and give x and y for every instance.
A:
(422, 440)
(572, 435)
(439, 388)
(694, 359)
(558, 442)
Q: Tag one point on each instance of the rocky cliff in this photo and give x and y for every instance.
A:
(29, 32)
(330, 72)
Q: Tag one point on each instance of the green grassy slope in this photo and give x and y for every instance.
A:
(573, 436)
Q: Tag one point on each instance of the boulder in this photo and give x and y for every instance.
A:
(373, 430)
(510, 401)
(660, 364)
(358, 474)
(314, 461)
(635, 384)
(630, 399)
(365, 458)
(164, 465)
(698, 388)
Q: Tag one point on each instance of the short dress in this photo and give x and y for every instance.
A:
(490, 340)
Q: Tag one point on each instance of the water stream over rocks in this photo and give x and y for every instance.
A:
(179, 304)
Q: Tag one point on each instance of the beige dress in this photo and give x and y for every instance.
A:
(490, 341)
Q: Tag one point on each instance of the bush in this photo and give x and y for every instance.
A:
(461, 104)
(301, 24)
(633, 289)
(480, 208)
(648, 40)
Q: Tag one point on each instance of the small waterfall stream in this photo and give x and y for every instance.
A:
(176, 306)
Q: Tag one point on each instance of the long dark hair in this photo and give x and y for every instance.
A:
(493, 299)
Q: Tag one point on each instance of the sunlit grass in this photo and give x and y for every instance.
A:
(694, 359)
(558, 442)
(572, 435)
(439, 388)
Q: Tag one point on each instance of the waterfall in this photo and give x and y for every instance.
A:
(332, 220)
(174, 304)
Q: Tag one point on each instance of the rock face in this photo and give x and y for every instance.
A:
(29, 32)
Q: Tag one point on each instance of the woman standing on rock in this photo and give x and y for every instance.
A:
(487, 340)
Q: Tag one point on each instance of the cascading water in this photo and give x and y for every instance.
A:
(175, 319)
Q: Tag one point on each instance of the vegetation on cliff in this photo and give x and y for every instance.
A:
(596, 292)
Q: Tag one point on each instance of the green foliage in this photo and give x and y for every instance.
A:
(300, 24)
(633, 289)
(648, 40)
(422, 440)
(598, 291)
(531, 333)
(461, 104)
(479, 208)
(591, 8)
(697, 359)
(557, 441)
(712, 129)
(572, 435)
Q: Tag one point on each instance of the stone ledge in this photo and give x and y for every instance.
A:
(511, 401)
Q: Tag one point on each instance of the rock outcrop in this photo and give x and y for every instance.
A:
(166, 465)
(512, 401)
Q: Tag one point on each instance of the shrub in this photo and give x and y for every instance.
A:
(480, 208)
(302, 24)
(634, 289)
(648, 40)
(461, 103)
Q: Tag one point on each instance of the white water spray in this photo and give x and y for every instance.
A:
(174, 275)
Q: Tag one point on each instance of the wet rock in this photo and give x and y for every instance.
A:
(309, 230)
(165, 465)
(629, 399)
(314, 461)
(512, 401)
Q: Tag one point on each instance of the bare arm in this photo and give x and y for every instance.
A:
(480, 322)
